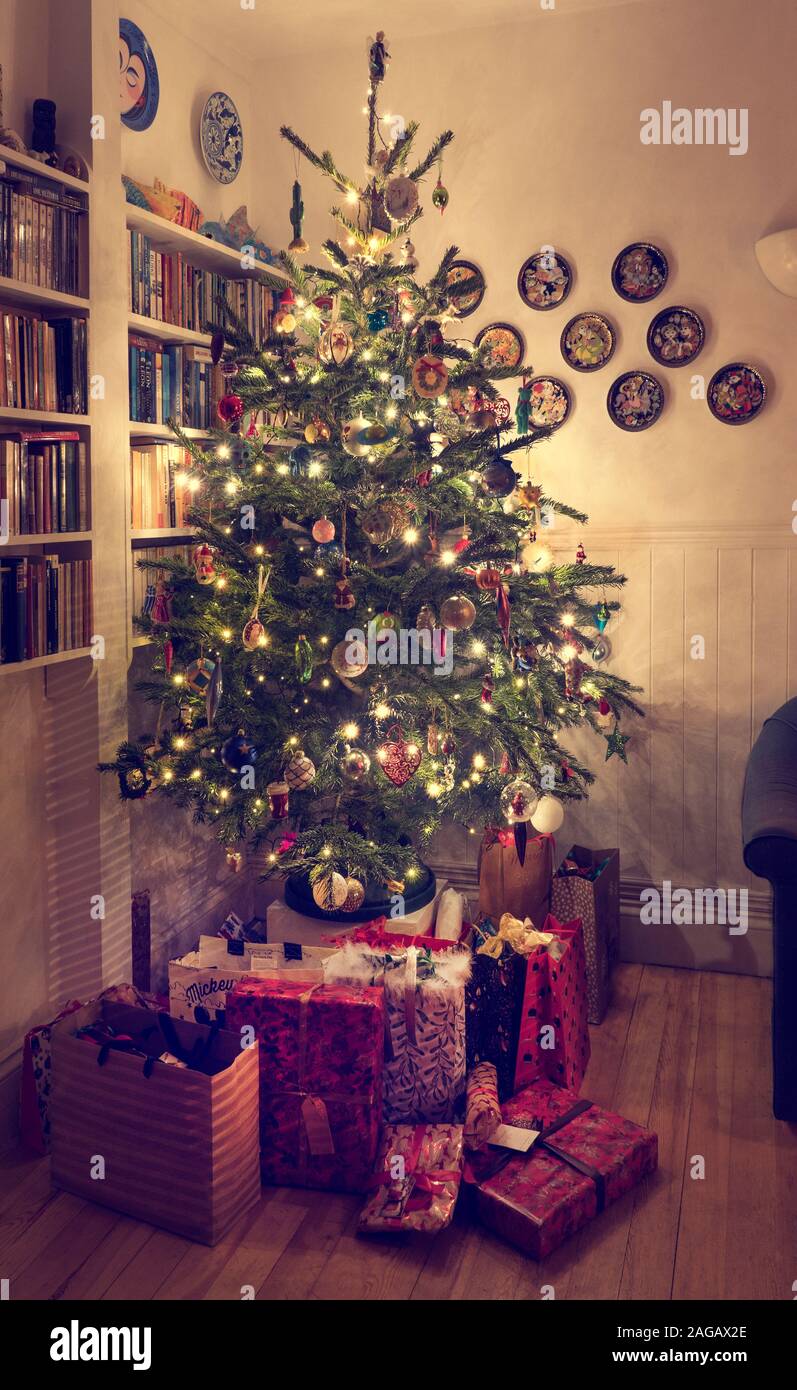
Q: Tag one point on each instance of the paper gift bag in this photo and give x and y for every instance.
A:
(553, 1039)
(494, 1002)
(179, 1147)
(587, 885)
(416, 1182)
(424, 1000)
(320, 1080)
(583, 1159)
(509, 884)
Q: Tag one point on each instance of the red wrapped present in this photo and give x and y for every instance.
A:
(416, 1182)
(584, 1159)
(320, 1079)
(553, 1041)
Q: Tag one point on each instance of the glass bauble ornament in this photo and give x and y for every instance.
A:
(323, 530)
(383, 521)
(519, 801)
(330, 892)
(253, 635)
(300, 771)
(457, 612)
(602, 650)
(362, 437)
(349, 659)
(198, 674)
(203, 562)
(440, 196)
(303, 658)
(355, 765)
(498, 479)
(238, 752)
(548, 815)
(335, 346)
(230, 409)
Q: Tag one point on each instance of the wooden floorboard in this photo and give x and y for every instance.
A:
(685, 1052)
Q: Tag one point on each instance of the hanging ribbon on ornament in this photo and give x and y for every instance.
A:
(254, 630)
(488, 577)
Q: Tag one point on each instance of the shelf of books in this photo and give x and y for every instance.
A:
(199, 250)
(46, 596)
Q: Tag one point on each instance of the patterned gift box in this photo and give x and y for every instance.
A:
(585, 1159)
(425, 1054)
(553, 1039)
(416, 1180)
(596, 900)
(320, 1079)
(526, 1013)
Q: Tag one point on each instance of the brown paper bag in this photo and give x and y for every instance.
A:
(180, 1148)
(506, 885)
(597, 903)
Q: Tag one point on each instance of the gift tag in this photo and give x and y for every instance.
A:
(513, 1137)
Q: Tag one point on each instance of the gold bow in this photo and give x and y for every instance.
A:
(522, 937)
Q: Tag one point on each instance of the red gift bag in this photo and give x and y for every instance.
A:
(554, 1036)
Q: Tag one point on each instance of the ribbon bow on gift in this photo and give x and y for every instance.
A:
(521, 937)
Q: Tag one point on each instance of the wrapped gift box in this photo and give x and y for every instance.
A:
(416, 1180)
(511, 883)
(424, 994)
(526, 1011)
(180, 1144)
(584, 1159)
(587, 885)
(320, 1079)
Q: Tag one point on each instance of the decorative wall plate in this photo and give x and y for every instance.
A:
(635, 401)
(221, 137)
(544, 280)
(550, 402)
(639, 272)
(505, 346)
(587, 342)
(676, 336)
(463, 305)
(139, 87)
(736, 393)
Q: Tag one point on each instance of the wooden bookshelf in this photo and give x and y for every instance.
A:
(34, 662)
(143, 430)
(34, 166)
(47, 538)
(19, 292)
(165, 332)
(21, 414)
(199, 250)
(153, 535)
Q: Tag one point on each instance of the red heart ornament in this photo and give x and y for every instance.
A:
(398, 760)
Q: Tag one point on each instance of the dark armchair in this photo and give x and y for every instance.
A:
(769, 831)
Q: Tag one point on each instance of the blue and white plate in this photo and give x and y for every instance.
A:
(221, 137)
(139, 88)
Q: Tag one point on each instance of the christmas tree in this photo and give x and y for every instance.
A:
(372, 636)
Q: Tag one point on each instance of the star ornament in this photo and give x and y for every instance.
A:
(616, 743)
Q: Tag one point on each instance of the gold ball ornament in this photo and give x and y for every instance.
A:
(335, 346)
(457, 612)
(355, 895)
(383, 521)
(300, 771)
(330, 892)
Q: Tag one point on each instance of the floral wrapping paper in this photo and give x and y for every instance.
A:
(555, 996)
(416, 1179)
(320, 1079)
(482, 1106)
(425, 1051)
(537, 1200)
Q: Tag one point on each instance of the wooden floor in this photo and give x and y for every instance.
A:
(686, 1053)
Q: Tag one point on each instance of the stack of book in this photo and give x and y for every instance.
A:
(40, 231)
(45, 606)
(166, 287)
(173, 382)
(158, 492)
(43, 482)
(43, 362)
(144, 580)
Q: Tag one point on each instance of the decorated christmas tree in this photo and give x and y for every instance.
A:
(373, 635)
